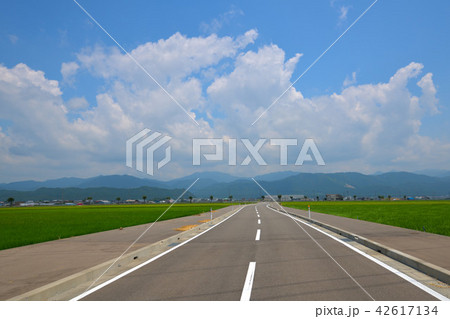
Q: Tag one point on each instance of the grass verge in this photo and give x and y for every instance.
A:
(30, 225)
(429, 216)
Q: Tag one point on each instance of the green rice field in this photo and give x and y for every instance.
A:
(429, 216)
(29, 225)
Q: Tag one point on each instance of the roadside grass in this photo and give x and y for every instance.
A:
(21, 226)
(429, 216)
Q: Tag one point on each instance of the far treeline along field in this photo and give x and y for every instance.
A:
(30, 225)
(429, 216)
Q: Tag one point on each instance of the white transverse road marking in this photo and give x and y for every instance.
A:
(86, 293)
(258, 234)
(382, 264)
(247, 290)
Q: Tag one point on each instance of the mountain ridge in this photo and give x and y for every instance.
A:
(222, 185)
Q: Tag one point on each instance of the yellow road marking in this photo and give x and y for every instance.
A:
(187, 227)
(443, 285)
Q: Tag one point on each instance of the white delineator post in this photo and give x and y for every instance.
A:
(211, 212)
(309, 212)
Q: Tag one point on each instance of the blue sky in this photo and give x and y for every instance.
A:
(45, 35)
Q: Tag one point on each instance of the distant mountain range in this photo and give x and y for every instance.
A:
(121, 181)
(396, 184)
(434, 172)
(221, 185)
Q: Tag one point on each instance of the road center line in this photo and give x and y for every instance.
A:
(259, 221)
(247, 290)
(258, 234)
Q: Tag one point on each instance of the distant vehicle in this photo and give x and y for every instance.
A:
(28, 203)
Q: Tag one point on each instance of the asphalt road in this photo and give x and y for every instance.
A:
(29, 267)
(281, 261)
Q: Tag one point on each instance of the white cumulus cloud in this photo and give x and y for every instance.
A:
(365, 127)
(77, 103)
(68, 71)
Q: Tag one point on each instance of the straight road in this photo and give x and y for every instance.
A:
(29, 267)
(260, 254)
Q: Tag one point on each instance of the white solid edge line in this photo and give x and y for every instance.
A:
(258, 234)
(382, 264)
(247, 290)
(148, 261)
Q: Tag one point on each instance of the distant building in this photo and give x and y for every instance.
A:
(293, 197)
(28, 203)
(333, 197)
(286, 198)
(102, 202)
